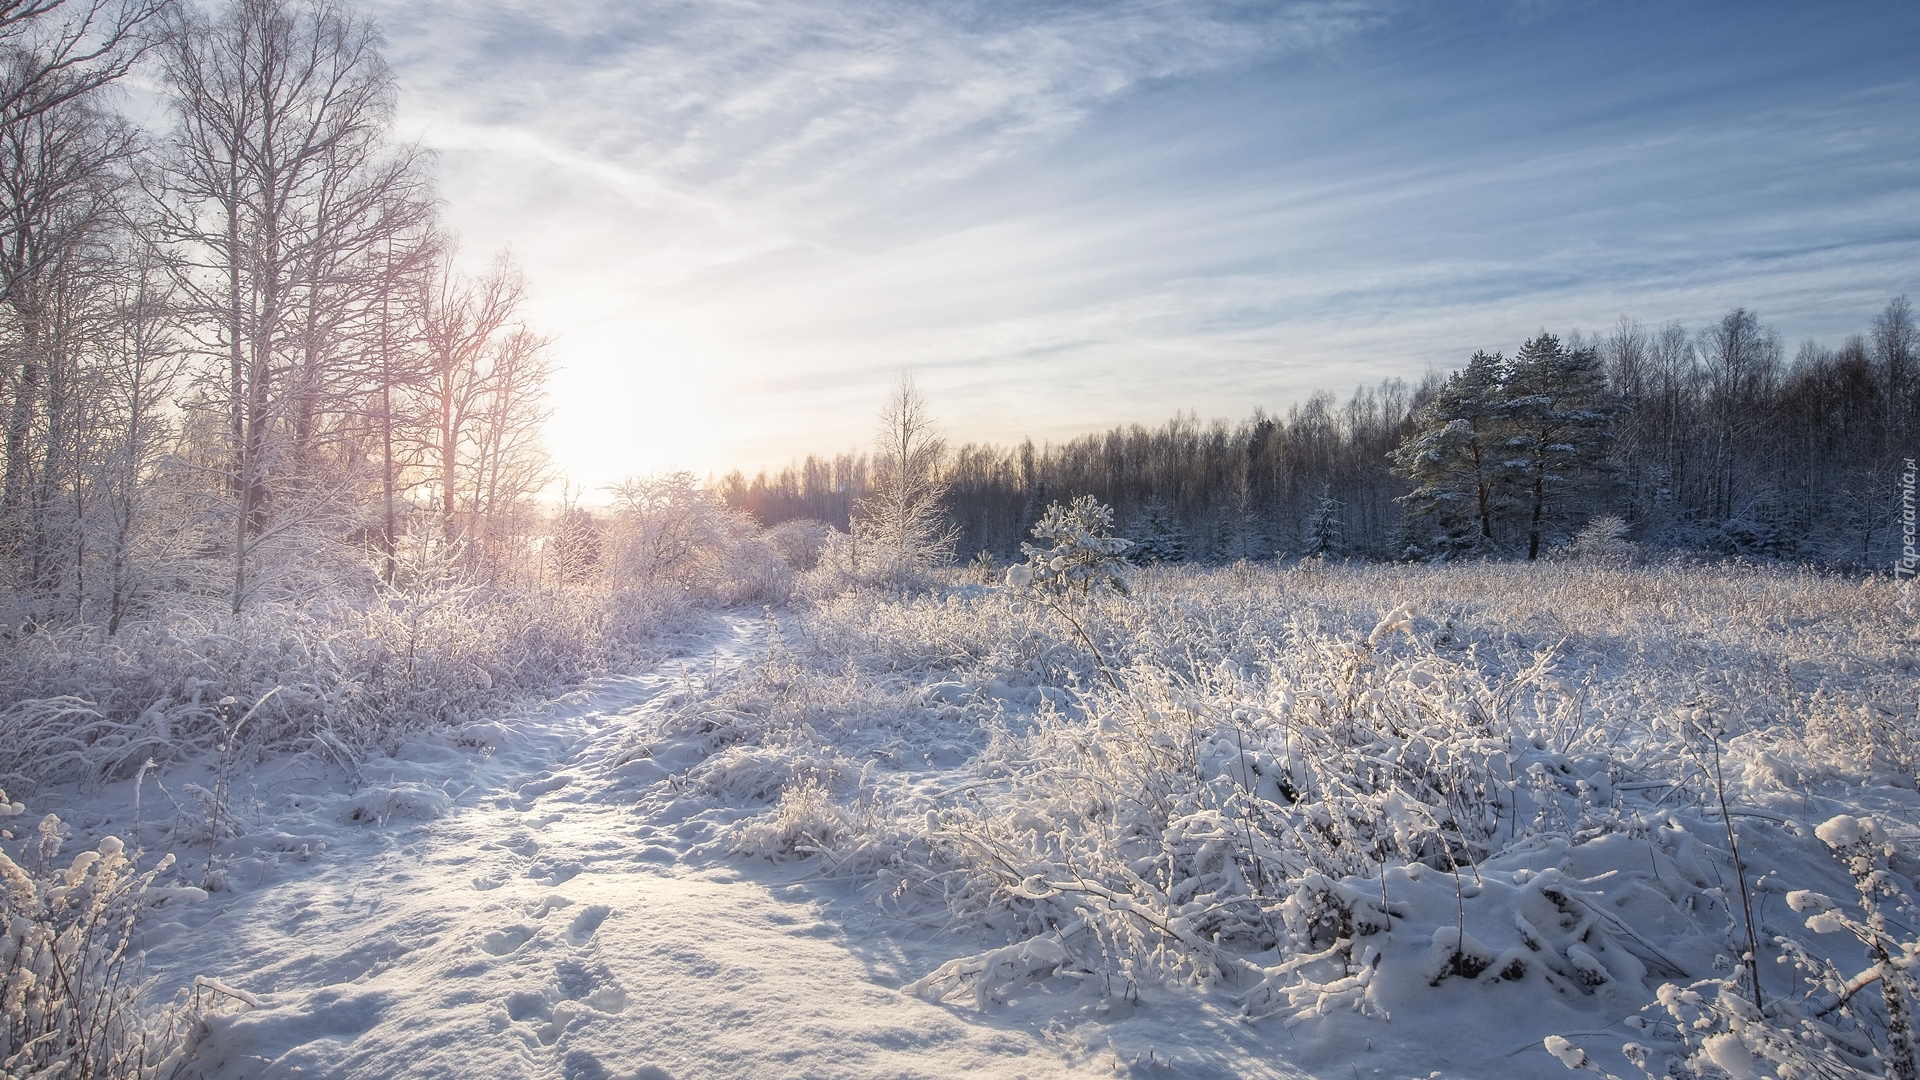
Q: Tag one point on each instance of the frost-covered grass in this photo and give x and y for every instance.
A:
(1422, 800)
(345, 673)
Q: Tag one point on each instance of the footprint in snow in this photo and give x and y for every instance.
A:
(544, 787)
(528, 1006)
(507, 939)
(585, 923)
(548, 1020)
(532, 792)
(608, 999)
(554, 873)
(595, 986)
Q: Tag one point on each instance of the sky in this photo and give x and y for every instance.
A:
(742, 220)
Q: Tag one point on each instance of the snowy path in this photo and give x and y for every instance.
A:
(528, 932)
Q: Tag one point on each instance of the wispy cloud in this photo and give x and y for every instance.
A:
(753, 213)
(790, 102)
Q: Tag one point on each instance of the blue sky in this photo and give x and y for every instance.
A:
(742, 219)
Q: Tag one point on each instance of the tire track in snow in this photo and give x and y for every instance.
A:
(530, 933)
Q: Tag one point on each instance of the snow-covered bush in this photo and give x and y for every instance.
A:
(804, 822)
(70, 992)
(668, 532)
(428, 638)
(1604, 538)
(837, 569)
(854, 563)
(1078, 551)
(352, 671)
(800, 542)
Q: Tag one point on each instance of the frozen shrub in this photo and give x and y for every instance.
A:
(69, 999)
(572, 547)
(854, 563)
(836, 570)
(668, 533)
(1079, 552)
(804, 822)
(800, 542)
(353, 671)
(1327, 788)
(749, 569)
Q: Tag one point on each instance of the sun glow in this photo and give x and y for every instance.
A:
(630, 400)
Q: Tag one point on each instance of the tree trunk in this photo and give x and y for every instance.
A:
(386, 429)
(1539, 507)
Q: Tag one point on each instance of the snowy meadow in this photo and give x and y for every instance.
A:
(1263, 819)
(1393, 817)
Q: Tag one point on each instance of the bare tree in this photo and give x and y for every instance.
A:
(509, 464)
(397, 375)
(371, 206)
(903, 519)
(63, 175)
(461, 320)
(1896, 352)
(143, 365)
(56, 51)
(1742, 360)
(280, 106)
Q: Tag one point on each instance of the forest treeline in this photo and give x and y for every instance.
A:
(1709, 440)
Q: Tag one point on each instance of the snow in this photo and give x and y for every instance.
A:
(918, 837)
(1570, 1055)
(494, 916)
(1844, 830)
(488, 903)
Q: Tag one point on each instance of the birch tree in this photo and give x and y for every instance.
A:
(279, 106)
(63, 178)
(902, 520)
(461, 322)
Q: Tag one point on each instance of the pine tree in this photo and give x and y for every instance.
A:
(1082, 554)
(1558, 416)
(1409, 541)
(1455, 461)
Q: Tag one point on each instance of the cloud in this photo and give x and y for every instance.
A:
(791, 102)
(752, 214)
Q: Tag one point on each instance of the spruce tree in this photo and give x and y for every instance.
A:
(1326, 531)
(1156, 535)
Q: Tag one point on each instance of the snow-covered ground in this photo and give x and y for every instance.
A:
(1395, 823)
(488, 903)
